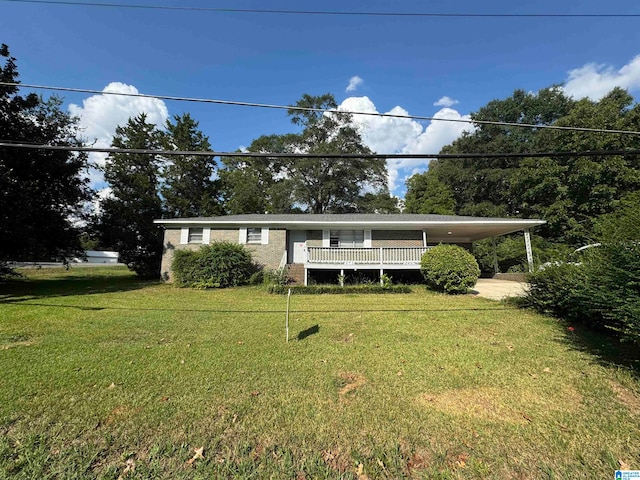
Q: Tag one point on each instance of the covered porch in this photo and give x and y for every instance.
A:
(361, 258)
(396, 257)
(376, 248)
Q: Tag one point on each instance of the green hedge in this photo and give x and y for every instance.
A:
(449, 269)
(337, 289)
(219, 265)
(562, 290)
(603, 290)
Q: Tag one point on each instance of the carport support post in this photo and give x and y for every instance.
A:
(527, 244)
(496, 267)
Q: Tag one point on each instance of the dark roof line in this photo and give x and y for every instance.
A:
(346, 217)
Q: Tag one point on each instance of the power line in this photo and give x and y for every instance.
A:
(331, 12)
(588, 153)
(318, 110)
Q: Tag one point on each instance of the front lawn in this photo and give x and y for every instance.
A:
(106, 376)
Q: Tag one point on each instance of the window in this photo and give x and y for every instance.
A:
(196, 235)
(254, 235)
(346, 238)
(352, 238)
(334, 239)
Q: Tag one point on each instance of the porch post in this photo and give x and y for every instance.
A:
(305, 276)
(424, 238)
(496, 268)
(381, 274)
(527, 244)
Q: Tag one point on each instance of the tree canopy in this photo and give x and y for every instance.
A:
(569, 192)
(42, 192)
(127, 216)
(189, 189)
(314, 185)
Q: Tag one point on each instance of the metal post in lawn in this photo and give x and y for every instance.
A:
(286, 322)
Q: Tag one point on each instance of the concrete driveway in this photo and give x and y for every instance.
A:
(498, 289)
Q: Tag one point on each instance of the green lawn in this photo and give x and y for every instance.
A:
(106, 376)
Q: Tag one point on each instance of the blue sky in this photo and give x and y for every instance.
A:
(406, 64)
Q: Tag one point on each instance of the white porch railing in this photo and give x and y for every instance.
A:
(283, 261)
(365, 256)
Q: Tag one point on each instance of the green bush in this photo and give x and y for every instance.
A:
(219, 265)
(449, 268)
(511, 254)
(337, 289)
(614, 287)
(279, 276)
(257, 277)
(602, 291)
(562, 291)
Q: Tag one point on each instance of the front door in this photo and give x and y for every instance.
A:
(297, 245)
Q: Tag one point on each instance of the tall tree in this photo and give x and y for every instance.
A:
(481, 186)
(314, 185)
(189, 189)
(259, 185)
(380, 202)
(326, 185)
(127, 216)
(572, 192)
(41, 191)
(569, 192)
(427, 194)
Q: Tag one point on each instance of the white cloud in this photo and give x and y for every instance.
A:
(404, 135)
(354, 83)
(101, 114)
(446, 102)
(596, 80)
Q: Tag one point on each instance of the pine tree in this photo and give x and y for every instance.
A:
(189, 188)
(126, 221)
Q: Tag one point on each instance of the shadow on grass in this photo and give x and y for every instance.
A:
(21, 290)
(605, 346)
(26, 302)
(308, 332)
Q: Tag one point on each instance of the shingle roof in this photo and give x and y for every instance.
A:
(436, 226)
(343, 217)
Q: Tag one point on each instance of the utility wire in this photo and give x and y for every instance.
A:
(588, 153)
(319, 110)
(331, 12)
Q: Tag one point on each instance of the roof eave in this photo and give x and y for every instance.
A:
(521, 223)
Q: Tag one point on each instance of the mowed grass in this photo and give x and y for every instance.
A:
(102, 375)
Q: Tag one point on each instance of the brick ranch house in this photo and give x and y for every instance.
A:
(307, 243)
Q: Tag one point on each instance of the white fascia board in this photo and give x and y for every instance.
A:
(520, 223)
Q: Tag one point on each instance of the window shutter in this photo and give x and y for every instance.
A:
(367, 239)
(326, 235)
(184, 235)
(265, 236)
(242, 237)
(206, 236)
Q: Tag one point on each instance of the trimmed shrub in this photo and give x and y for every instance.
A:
(219, 265)
(184, 267)
(449, 269)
